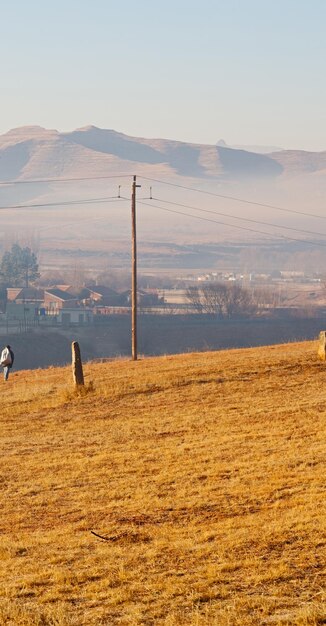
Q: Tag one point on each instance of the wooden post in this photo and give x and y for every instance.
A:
(322, 345)
(77, 366)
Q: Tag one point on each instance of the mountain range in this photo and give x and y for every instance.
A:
(32, 152)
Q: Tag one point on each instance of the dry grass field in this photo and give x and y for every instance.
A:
(204, 473)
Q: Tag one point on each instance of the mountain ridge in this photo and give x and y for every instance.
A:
(35, 152)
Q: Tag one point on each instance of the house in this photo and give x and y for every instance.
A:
(100, 295)
(22, 311)
(23, 295)
(144, 298)
(23, 303)
(57, 299)
(81, 316)
(68, 288)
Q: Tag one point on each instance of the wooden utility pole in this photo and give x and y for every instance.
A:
(133, 272)
(77, 366)
(322, 346)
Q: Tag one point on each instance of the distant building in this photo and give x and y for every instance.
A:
(22, 295)
(23, 303)
(57, 299)
(144, 298)
(81, 316)
(63, 287)
(100, 295)
(291, 274)
(173, 296)
(22, 311)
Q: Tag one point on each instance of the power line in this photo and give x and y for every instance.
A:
(163, 182)
(235, 199)
(64, 203)
(243, 219)
(61, 180)
(252, 230)
(113, 198)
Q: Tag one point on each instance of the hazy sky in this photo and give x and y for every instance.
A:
(247, 71)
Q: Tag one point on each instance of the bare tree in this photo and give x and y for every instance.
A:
(239, 302)
(222, 299)
(194, 296)
(265, 297)
(215, 299)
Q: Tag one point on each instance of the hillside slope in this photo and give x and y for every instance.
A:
(32, 152)
(203, 472)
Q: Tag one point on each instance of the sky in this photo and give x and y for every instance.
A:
(251, 72)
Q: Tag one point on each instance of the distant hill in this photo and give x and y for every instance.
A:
(33, 152)
(258, 149)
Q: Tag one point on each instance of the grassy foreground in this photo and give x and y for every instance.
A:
(205, 474)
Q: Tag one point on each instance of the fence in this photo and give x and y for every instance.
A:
(13, 326)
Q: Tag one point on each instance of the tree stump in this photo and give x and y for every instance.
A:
(77, 366)
(322, 345)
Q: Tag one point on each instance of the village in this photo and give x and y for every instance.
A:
(66, 305)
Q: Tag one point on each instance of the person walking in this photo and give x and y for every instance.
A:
(7, 361)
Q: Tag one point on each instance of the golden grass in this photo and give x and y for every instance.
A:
(204, 472)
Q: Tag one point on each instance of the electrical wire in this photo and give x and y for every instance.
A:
(234, 198)
(214, 212)
(65, 203)
(112, 198)
(252, 230)
(163, 182)
(243, 219)
(61, 180)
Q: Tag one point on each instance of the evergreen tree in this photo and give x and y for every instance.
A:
(3, 298)
(18, 267)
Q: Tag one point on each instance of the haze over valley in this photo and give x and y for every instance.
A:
(85, 220)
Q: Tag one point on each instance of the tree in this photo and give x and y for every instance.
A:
(3, 298)
(222, 300)
(19, 267)
(239, 302)
(194, 296)
(215, 299)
